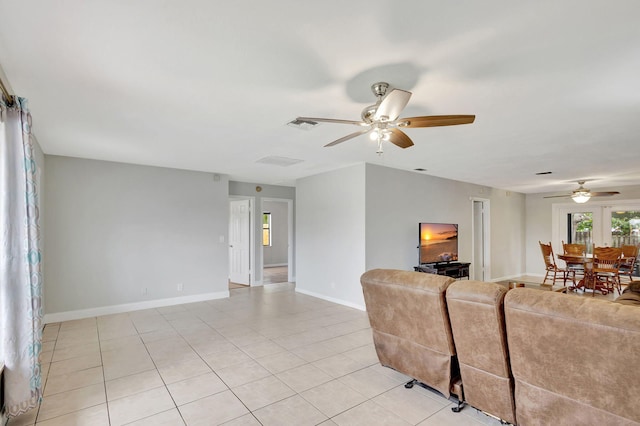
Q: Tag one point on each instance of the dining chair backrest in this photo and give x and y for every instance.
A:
(628, 262)
(606, 257)
(574, 249)
(547, 254)
(630, 251)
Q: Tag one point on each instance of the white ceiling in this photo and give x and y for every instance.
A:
(210, 85)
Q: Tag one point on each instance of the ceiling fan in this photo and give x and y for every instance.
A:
(582, 194)
(381, 119)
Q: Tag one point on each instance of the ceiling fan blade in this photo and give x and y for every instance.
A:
(392, 105)
(558, 196)
(436, 120)
(400, 138)
(332, 120)
(604, 194)
(346, 138)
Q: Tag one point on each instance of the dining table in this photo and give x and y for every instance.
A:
(589, 280)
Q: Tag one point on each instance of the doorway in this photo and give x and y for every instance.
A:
(480, 265)
(277, 240)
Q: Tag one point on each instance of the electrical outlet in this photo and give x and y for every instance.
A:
(180, 287)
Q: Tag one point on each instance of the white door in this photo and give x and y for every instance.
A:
(239, 227)
(480, 267)
(478, 242)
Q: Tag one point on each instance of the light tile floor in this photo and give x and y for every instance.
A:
(264, 356)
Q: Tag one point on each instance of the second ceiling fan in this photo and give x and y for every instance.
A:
(381, 119)
(582, 194)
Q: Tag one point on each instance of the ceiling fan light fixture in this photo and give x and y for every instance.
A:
(581, 196)
(381, 120)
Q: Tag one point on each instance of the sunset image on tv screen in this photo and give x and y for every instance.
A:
(438, 242)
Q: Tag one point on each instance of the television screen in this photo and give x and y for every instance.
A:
(438, 242)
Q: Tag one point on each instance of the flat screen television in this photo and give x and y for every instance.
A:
(438, 242)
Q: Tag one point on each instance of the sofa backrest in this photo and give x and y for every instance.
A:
(411, 331)
(477, 321)
(574, 359)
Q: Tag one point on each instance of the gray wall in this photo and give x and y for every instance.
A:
(114, 229)
(367, 216)
(330, 230)
(244, 189)
(398, 200)
(277, 254)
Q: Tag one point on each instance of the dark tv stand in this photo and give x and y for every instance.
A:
(450, 269)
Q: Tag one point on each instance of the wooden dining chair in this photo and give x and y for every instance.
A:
(551, 267)
(575, 250)
(628, 262)
(606, 264)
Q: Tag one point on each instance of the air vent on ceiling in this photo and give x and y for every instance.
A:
(279, 161)
(302, 124)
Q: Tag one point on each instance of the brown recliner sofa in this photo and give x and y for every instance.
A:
(529, 357)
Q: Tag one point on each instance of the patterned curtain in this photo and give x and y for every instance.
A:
(20, 276)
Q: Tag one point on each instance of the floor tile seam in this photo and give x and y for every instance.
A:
(38, 421)
(355, 406)
(74, 371)
(345, 375)
(163, 385)
(75, 388)
(212, 370)
(104, 379)
(271, 403)
(149, 416)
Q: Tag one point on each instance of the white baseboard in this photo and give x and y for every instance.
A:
(128, 307)
(331, 299)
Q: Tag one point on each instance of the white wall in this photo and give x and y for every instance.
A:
(277, 253)
(115, 229)
(330, 235)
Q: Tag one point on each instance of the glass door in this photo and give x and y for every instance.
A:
(577, 224)
(580, 229)
(625, 226)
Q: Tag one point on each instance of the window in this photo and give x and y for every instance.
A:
(266, 229)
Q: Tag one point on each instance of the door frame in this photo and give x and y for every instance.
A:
(252, 249)
(486, 243)
(289, 202)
